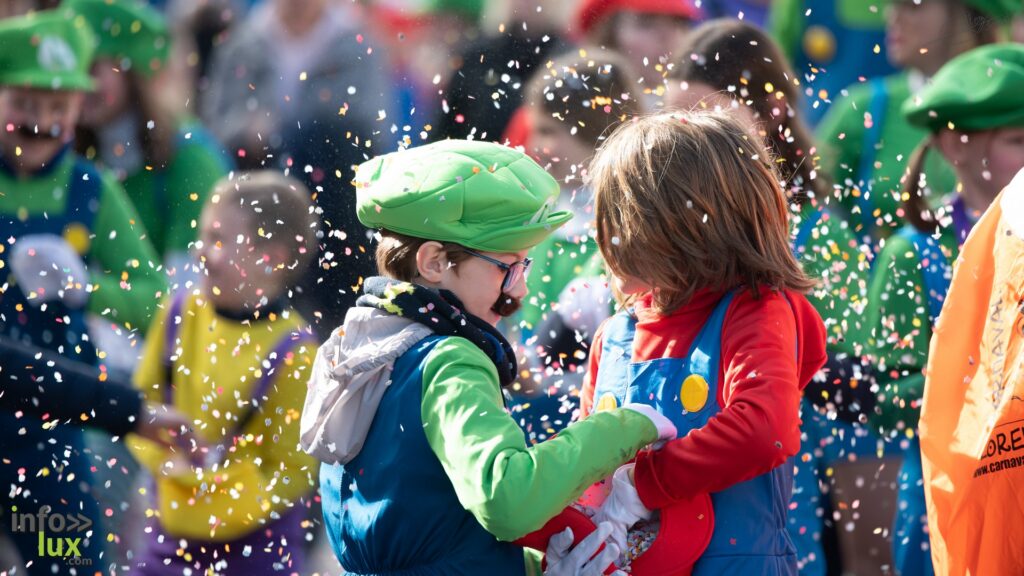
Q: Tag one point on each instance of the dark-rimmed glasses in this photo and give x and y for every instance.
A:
(513, 272)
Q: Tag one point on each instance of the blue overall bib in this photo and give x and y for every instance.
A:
(750, 514)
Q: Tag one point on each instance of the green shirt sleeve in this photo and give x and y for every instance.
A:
(190, 178)
(510, 488)
(899, 333)
(127, 284)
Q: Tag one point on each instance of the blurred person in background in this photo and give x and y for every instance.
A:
(75, 245)
(647, 32)
(487, 84)
(303, 84)
(831, 44)
(866, 141)
(166, 163)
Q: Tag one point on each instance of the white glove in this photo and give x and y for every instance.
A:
(623, 508)
(666, 429)
(577, 562)
(48, 269)
(584, 304)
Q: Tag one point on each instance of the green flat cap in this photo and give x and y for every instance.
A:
(132, 33)
(51, 50)
(481, 195)
(978, 90)
(999, 10)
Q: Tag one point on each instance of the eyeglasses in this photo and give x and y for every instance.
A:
(513, 272)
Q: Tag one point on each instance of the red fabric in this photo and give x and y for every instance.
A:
(758, 393)
(518, 131)
(592, 12)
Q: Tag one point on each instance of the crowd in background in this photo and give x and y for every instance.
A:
(178, 219)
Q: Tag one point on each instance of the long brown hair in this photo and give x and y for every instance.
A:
(687, 201)
(734, 57)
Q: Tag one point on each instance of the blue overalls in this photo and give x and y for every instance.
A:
(847, 62)
(65, 484)
(750, 534)
(911, 548)
(393, 510)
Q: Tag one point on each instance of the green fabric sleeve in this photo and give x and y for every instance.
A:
(127, 284)
(899, 332)
(190, 178)
(785, 24)
(841, 134)
(510, 488)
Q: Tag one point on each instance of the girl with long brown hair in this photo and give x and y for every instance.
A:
(717, 335)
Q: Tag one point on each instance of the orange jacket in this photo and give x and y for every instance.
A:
(972, 418)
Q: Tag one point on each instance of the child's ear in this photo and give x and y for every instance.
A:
(431, 261)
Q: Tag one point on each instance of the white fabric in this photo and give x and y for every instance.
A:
(577, 562)
(47, 269)
(350, 375)
(623, 508)
(666, 429)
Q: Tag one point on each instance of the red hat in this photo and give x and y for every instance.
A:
(594, 11)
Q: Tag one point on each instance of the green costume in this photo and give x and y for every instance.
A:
(978, 90)
(132, 33)
(866, 145)
(127, 284)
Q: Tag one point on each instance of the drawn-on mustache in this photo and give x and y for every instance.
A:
(34, 133)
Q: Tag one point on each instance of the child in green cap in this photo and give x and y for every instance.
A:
(423, 470)
(168, 164)
(866, 142)
(73, 244)
(973, 115)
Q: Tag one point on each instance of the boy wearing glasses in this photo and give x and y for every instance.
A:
(423, 470)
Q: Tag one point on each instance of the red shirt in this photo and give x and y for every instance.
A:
(760, 381)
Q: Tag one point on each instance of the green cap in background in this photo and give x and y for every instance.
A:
(127, 31)
(481, 195)
(978, 90)
(51, 50)
(470, 9)
(1001, 10)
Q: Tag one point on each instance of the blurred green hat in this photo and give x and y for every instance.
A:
(49, 49)
(978, 90)
(999, 10)
(481, 195)
(130, 32)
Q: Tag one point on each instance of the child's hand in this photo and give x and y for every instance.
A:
(166, 426)
(623, 508)
(666, 429)
(578, 562)
(47, 269)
